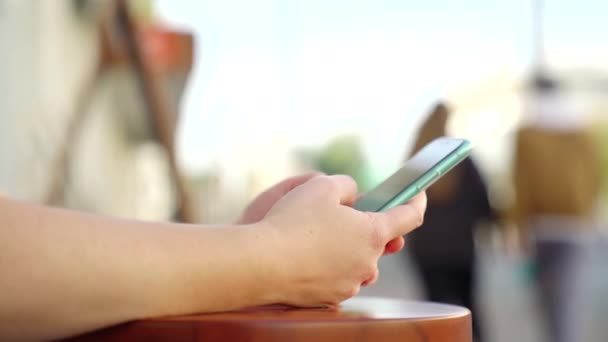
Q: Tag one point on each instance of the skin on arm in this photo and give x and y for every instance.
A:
(65, 272)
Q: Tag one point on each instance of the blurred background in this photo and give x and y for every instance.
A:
(185, 110)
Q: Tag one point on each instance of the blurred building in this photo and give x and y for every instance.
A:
(50, 54)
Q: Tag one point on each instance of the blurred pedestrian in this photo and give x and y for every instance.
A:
(556, 178)
(443, 250)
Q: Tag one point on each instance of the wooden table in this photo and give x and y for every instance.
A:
(358, 319)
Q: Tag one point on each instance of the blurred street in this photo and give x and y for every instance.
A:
(508, 298)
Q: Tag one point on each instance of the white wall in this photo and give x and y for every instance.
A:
(48, 53)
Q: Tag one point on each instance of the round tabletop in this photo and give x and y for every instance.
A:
(357, 319)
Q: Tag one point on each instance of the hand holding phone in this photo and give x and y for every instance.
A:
(418, 173)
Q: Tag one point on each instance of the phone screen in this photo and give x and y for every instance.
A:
(419, 172)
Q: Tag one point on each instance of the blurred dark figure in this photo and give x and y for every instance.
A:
(557, 182)
(443, 248)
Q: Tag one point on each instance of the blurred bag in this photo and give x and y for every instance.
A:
(556, 173)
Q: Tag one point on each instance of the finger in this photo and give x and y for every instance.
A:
(402, 219)
(394, 246)
(358, 197)
(283, 187)
(347, 189)
(293, 182)
(341, 187)
(267, 199)
(372, 279)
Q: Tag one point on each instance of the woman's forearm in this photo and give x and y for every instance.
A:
(66, 272)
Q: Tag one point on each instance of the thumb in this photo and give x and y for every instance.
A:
(402, 219)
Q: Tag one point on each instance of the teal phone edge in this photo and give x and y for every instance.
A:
(431, 176)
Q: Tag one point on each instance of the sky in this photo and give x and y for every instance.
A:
(299, 72)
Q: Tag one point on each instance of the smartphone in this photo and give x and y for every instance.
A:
(418, 173)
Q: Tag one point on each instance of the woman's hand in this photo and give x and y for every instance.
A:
(259, 207)
(311, 248)
(324, 249)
